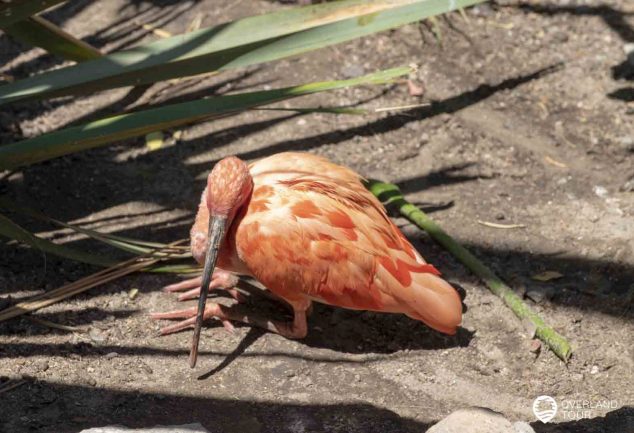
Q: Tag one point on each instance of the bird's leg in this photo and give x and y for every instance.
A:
(220, 280)
(294, 330)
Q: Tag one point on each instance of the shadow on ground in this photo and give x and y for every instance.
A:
(61, 408)
(618, 421)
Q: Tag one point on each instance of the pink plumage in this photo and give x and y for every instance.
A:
(308, 230)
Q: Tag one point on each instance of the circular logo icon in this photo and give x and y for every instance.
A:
(545, 408)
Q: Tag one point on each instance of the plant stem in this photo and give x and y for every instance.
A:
(390, 194)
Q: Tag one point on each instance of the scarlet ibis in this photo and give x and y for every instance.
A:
(308, 230)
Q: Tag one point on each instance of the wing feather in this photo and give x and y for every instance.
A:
(332, 241)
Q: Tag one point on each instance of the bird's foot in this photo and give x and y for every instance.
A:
(295, 329)
(189, 314)
(220, 280)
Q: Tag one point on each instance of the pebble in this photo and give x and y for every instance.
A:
(539, 295)
(41, 365)
(536, 346)
(111, 355)
(600, 191)
(96, 335)
(594, 369)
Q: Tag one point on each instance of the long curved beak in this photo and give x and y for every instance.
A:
(216, 233)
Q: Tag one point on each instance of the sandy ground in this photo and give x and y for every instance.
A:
(531, 122)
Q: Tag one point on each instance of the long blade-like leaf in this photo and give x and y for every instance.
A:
(106, 130)
(237, 44)
(124, 243)
(12, 230)
(18, 10)
(42, 33)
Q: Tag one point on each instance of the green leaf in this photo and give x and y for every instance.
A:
(19, 10)
(103, 131)
(41, 33)
(11, 230)
(121, 242)
(236, 44)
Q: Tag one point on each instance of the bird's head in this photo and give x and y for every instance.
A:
(229, 186)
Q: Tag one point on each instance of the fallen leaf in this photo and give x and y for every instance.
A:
(156, 30)
(501, 226)
(505, 26)
(547, 276)
(554, 162)
(195, 24)
(154, 140)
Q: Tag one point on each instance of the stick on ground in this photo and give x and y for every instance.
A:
(390, 194)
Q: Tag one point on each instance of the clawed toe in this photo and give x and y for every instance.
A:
(184, 285)
(212, 310)
(190, 294)
(176, 314)
(220, 280)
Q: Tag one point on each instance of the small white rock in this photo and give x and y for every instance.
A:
(600, 191)
(474, 420)
(522, 427)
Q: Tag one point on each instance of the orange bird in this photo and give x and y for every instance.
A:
(308, 230)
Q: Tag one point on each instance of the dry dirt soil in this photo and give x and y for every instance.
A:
(530, 121)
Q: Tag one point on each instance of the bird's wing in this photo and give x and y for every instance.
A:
(289, 165)
(329, 239)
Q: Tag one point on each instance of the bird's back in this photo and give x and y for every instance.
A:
(312, 230)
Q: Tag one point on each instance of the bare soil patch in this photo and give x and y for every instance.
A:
(530, 121)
